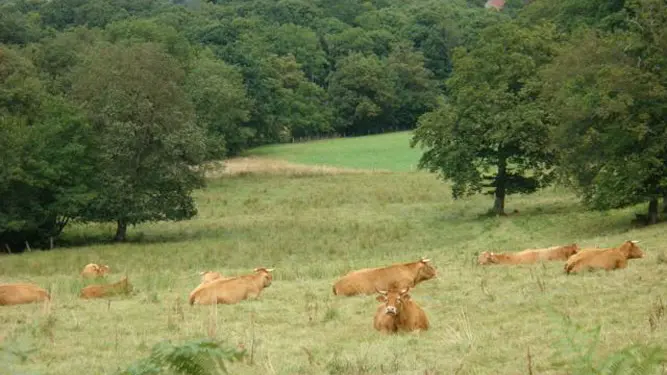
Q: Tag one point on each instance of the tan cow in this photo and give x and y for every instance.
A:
(92, 270)
(399, 312)
(107, 290)
(232, 290)
(369, 280)
(607, 258)
(22, 293)
(529, 256)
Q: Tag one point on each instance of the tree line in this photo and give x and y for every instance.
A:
(107, 107)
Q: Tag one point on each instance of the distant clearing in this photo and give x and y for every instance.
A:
(266, 166)
(390, 152)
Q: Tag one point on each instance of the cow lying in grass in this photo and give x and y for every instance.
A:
(529, 256)
(107, 290)
(399, 312)
(369, 280)
(95, 270)
(607, 258)
(22, 293)
(232, 290)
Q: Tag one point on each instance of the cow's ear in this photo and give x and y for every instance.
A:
(381, 298)
(405, 297)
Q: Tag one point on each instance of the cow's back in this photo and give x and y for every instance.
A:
(413, 317)
(106, 290)
(369, 280)
(21, 293)
(595, 258)
(220, 291)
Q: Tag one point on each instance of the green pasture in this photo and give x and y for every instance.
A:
(313, 229)
(389, 152)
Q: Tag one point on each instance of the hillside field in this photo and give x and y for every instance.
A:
(390, 152)
(313, 227)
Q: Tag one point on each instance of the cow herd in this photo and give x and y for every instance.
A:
(576, 259)
(398, 312)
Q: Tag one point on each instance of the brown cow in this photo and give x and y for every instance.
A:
(106, 290)
(232, 290)
(369, 280)
(399, 313)
(607, 258)
(95, 270)
(21, 293)
(529, 256)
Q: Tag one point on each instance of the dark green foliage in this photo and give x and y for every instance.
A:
(45, 156)
(222, 106)
(145, 134)
(491, 120)
(197, 357)
(611, 104)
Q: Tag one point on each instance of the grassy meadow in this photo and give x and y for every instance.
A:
(389, 152)
(314, 225)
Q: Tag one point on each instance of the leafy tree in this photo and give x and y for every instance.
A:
(57, 56)
(147, 30)
(45, 157)
(571, 14)
(146, 135)
(363, 93)
(490, 128)
(304, 45)
(17, 27)
(612, 103)
(416, 90)
(216, 89)
(286, 103)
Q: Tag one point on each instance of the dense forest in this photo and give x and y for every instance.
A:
(108, 106)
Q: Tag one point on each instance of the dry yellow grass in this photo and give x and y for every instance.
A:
(266, 166)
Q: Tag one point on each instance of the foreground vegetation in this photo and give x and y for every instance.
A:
(312, 229)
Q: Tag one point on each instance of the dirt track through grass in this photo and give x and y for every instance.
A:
(314, 228)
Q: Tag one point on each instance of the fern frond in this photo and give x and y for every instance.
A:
(199, 357)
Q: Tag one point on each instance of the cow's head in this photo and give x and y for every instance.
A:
(486, 257)
(631, 250)
(265, 273)
(393, 299)
(103, 269)
(426, 271)
(571, 249)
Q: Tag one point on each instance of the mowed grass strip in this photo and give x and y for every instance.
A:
(389, 152)
(315, 228)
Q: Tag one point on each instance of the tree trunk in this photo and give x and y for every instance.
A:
(652, 211)
(501, 178)
(121, 230)
(664, 202)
